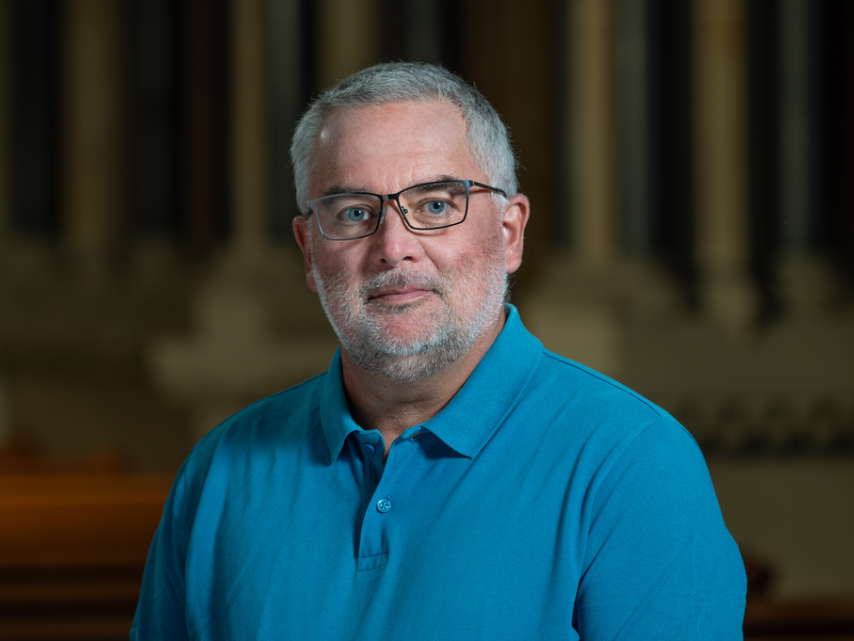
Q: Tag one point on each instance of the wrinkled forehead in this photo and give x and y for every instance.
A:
(408, 137)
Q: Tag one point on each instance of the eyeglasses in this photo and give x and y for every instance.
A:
(433, 205)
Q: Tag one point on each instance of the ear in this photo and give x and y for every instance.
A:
(303, 236)
(513, 224)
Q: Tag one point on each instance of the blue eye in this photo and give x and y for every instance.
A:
(437, 207)
(355, 215)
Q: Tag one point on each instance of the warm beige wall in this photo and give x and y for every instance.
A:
(797, 515)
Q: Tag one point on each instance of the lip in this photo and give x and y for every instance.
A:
(400, 296)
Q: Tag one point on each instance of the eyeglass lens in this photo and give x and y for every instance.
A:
(428, 206)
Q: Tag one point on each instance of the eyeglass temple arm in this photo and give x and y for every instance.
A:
(490, 188)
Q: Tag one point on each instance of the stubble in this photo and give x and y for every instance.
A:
(407, 343)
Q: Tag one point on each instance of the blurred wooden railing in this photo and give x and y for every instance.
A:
(73, 541)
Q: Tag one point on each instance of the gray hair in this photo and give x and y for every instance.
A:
(402, 82)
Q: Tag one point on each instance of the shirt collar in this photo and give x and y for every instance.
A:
(477, 410)
(335, 417)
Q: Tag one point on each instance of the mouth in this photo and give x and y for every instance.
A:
(401, 290)
(400, 295)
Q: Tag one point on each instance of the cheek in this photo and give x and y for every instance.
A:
(475, 267)
(491, 245)
(331, 260)
(483, 240)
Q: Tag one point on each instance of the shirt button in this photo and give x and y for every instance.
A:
(370, 449)
(383, 505)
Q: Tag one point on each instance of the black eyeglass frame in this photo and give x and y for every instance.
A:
(311, 205)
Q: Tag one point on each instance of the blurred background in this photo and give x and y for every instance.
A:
(690, 168)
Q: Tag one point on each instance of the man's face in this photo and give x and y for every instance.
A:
(406, 304)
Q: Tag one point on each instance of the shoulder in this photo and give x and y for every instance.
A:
(641, 505)
(584, 404)
(596, 431)
(583, 383)
(280, 415)
(258, 436)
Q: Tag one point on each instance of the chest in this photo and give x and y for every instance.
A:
(478, 543)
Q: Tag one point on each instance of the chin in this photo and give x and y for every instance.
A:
(427, 361)
(410, 350)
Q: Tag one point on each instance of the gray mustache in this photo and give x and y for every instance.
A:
(398, 279)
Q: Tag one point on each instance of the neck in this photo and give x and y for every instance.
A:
(393, 407)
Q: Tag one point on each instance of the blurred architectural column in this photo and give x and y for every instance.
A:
(31, 43)
(153, 61)
(233, 354)
(722, 226)
(424, 28)
(846, 137)
(347, 38)
(593, 180)
(93, 160)
(573, 309)
(5, 125)
(249, 157)
(287, 95)
(633, 107)
(153, 179)
(648, 287)
(804, 276)
(202, 48)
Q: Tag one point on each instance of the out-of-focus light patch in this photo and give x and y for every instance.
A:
(4, 413)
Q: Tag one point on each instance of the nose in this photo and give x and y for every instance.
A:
(394, 241)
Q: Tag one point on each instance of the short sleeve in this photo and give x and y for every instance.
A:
(161, 611)
(659, 562)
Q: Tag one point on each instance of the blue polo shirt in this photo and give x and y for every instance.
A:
(545, 501)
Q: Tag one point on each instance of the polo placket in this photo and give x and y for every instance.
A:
(385, 492)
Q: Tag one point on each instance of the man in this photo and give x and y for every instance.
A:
(447, 478)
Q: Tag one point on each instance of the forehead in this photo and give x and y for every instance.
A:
(385, 148)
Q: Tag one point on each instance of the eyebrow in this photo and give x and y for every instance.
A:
(335, 190)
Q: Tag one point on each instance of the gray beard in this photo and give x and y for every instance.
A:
(358, 321)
